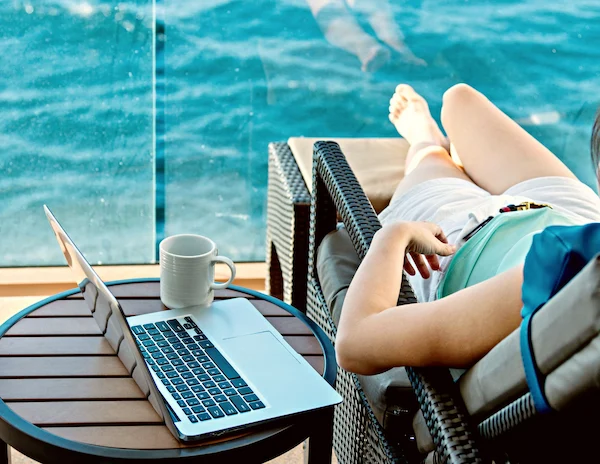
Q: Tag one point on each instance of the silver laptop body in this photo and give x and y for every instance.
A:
(206, 371)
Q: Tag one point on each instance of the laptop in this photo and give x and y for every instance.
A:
(206, 371)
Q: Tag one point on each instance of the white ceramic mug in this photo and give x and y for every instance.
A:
(187, 271)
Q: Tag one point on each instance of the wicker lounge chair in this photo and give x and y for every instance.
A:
(487, 413)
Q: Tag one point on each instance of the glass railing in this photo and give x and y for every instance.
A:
(83, 133)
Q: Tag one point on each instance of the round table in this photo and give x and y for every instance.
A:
(66, 397)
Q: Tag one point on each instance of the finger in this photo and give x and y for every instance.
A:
(408, 267)
(433, 261)
(444, 249)
(420, 264)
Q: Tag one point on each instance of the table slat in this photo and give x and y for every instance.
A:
(54, 326)
(133, 436)
(63, 308)
(269, 309)
(86, 412)
(304, 344)
(316, 362)
(63, 366)
(52, 346)
(69, 389)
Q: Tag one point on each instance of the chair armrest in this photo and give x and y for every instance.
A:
(335, 189)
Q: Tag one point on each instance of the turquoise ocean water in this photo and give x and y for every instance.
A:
(78, 117)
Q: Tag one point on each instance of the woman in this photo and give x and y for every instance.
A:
(468, 305)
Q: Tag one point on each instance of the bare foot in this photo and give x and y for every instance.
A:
(410, 114)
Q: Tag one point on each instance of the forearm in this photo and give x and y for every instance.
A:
(376, 284)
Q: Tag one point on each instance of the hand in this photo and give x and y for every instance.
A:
(425, 240)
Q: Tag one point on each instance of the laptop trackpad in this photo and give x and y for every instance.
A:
(260, 354)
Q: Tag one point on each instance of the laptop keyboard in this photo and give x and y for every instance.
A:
(194, 372)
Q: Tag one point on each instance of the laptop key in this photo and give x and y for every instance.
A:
(176, 396)
(173, 356)
(228, 408)
(144, 337)
(171, 389)
(187, 325)
(187, 341)
(188, 358)
(187, 411)
(183, 352)
(208, 365)
(203, 395)
(146, 355)
(158, 355)
(194, 365)
(182, 368)
(148, 343)
(162, 326)
(193, 346)
(156, 368)
(220, 398)
(230, 392)
(172, 340)
(224, 385)
(204, 416)
(206, 344)
(163, 344)
(203, 358)
(198, 353)
(177, 381)
(192, 382)
(219, 378)
(177, 362)
(223, 364)
(198, 409)
(216, 412)
(137, 329)
(160, 375)
(169, 334)
(198, 370)
(149, 326)
(209, 384)
(167, 349)
(175, 325)
(198, 388)
(214, 371)
(172, 374)
(257, 405)
(150, 362)
(153, 349)
(237, 383)
(182, 388)
(214, 391)
(193, 402)
(203, 377)
(208, 402)
(153, 332)
(199, 338)
(165, 382)
(192, 419)
(178, 346)
(181, 403)
(239, 403)
(187, 375)
(251, 398)
(245, 391)
(187, 395)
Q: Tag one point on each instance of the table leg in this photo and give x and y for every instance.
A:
(4, 453)
(321, 440)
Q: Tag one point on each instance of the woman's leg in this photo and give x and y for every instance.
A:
(494, 150)
(428, 156)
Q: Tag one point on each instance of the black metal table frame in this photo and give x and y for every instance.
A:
(261, 446)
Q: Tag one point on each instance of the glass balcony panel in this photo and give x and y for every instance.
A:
(77, 130)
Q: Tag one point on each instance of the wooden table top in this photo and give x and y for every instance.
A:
(59, 373)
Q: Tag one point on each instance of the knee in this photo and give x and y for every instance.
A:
(456, 97)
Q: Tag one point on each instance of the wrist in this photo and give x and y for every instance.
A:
(397, 234)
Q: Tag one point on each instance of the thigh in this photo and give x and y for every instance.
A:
(494, 150)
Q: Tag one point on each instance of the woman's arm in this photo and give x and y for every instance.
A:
(375, 335)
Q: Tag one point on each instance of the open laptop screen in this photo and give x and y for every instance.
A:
(109, 316)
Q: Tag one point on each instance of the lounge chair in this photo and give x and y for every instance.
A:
(426, 414)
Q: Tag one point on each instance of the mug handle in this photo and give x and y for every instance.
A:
(221, 285)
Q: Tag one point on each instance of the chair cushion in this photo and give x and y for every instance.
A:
(378, 163)
(566, 342)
